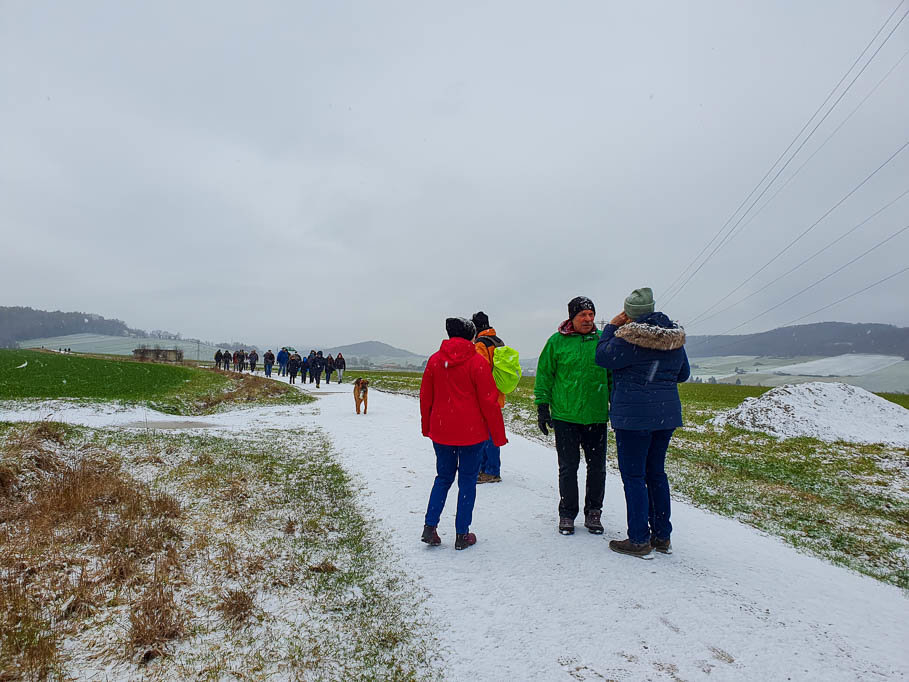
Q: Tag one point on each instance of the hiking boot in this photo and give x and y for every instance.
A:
(592, 522)
(488, 478)
(662, 546)
(634, 549)
(566, 526)
(430, 536)
(465, 540)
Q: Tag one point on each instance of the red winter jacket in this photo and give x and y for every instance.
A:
(458, 397)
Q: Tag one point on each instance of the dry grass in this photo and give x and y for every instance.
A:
(155, 618)
(245, 388)
(236, 606)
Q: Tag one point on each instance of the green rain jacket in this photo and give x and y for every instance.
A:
(569, 380)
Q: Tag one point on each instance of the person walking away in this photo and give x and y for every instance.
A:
(218, 358)
(283, 357)
(316, 367)
(304, 368)
(236, 359)
(253, 358)
(269, 360)
(572, 397)
(340, 366)
(645, 351)
(329, 368)
(293, 367)
(459, 410)
(312, 375)
(242, 360)
(486, 343)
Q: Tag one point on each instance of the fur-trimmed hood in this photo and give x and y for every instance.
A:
(654, 331)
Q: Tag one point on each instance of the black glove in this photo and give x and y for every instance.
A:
(543, 418)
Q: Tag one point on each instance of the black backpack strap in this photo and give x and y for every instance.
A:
(491, 341)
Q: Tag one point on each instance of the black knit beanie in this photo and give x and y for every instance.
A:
(460, 328)
(579, 303)
(480, 321)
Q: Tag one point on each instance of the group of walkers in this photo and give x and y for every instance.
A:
(239, 360)
(290, 364)
(627, 375)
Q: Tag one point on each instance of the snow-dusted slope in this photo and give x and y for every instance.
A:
(528, 604)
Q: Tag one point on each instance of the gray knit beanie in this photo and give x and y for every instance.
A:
(639, 303)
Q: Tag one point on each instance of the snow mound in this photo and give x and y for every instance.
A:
(827, 411)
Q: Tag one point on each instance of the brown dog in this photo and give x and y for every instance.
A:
(361, 394)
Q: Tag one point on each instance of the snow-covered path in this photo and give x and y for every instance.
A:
(526, 603)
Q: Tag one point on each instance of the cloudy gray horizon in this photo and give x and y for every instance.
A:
(336, 172)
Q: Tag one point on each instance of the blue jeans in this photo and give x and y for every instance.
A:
(268, 369)
(282, 368)
(642, 457)
(491, 460)
(463, 460)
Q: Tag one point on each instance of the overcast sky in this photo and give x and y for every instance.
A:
(333, 172)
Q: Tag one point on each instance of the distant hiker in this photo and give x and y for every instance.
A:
(329, 368)
(283, 357)
(236, 359)
(293, 367)
(645, 351)
(340, 366)
(459, 410)
(242, 360)
(486, 344)
(218, 358)
(572, 397)
(269, 360)
(304, 368)
(316, 365)
(312, 369)
(253, 358)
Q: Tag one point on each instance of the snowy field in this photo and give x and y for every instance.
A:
(528, 604)
(119, 345)
(853, 365)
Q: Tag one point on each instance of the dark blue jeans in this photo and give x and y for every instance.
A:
(642, 457)
(463, 460)
(491, 459)
(282, 369)
(268, 369)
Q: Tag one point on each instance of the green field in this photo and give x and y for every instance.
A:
(845, 502)
(174, 389)
(119, 345)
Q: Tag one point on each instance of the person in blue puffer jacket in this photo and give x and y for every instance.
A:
(646, 352)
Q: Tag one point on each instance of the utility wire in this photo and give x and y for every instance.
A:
(818, 281)
(822, 145)
(816, 222)
(785, 151)
(742, 338)
(698, 319)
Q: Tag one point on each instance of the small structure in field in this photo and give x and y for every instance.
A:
(158, 354)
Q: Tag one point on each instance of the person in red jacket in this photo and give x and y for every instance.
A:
(459, 410)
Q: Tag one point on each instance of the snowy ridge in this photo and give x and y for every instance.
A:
(826, 411)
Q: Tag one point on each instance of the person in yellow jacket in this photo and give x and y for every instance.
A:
(486, 343)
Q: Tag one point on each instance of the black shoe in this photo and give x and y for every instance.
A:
(626, 546)
(566, 526)
(592, 522)
(465, 540)
(662, 546)
(430, 536)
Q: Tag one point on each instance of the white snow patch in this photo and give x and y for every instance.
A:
(853, 365)
(827, 411)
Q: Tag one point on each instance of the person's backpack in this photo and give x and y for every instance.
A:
(506, 364)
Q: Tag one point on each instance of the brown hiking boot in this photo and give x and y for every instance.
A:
(465, 540)
(488, 478)
(662, 546)
(628, 547)
(566, 526)
(430, 536)
(592, 522)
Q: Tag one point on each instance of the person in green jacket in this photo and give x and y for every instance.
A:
(572, 397)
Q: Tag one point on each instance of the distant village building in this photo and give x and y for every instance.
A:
(158, 354)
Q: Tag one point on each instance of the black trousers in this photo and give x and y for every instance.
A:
(570, 439)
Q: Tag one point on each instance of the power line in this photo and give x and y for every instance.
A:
(702, 317)
(816, 222)
(823, 144)
(743, 338)
(785, 151)
(818, 281)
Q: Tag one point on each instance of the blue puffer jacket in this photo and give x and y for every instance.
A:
(647, 358)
